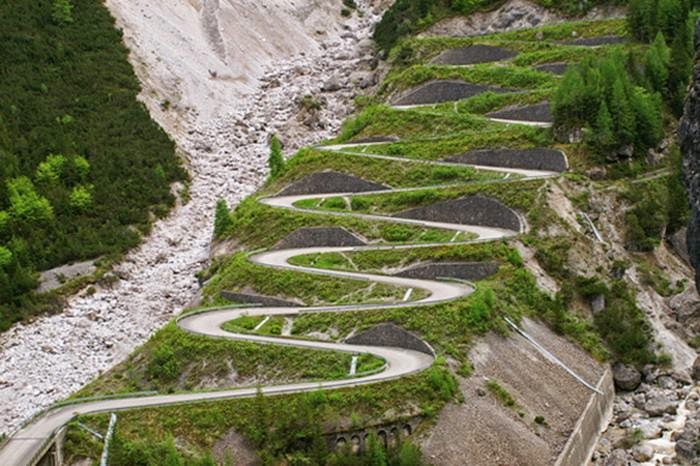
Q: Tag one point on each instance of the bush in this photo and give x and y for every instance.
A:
(276, 160)
(222, 219)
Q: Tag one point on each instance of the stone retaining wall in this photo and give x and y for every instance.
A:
(537, 112)
(435, 92)
(593, 420)
(390, 335)
(531, 159)
(473, 54)
(319, 236)
(464, 270)
(251, 298)
(330, 182)
(470, 210)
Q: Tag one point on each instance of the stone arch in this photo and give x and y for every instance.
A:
(393, 436)
(340, 442)
(407, 430)
(381, 435)
(355, 444)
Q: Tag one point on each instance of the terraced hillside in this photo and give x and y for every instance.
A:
(445, 274)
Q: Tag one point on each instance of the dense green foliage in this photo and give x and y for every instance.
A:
(649, 20)
(600, 95)
(81, 162)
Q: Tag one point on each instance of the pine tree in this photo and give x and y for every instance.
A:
(641, 22)
(621, 112)
(656, 63)
(603, 136)
(276, 160)
(679, 71)
(222, 219)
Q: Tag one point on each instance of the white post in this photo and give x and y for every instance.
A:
(108, 438)
(353, 366)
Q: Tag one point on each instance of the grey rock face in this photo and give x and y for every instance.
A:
(696, 370)
(689, 138)
(626, 377)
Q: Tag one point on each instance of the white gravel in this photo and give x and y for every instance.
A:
(46, 360)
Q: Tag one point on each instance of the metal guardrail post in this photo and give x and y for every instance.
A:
(108, 439)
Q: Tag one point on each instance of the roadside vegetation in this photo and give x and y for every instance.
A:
(83, 168)
(614, 97)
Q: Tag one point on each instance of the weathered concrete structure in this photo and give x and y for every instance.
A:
(463, 270)
(473, 55)
(390, 335)
(469, 210)
(435, 92)
(252, 298)
(538, 158)
(533, 113)
(319, 236)
(330, 182)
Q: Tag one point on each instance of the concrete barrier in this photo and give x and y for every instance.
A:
(595, 417)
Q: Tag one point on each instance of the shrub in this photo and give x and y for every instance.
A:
(222, 219)
(62, 12)
(276, 160)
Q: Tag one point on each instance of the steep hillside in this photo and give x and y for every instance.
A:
(481, 268)
(83, 169)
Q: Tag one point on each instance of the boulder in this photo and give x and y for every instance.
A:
(626, 377)
(618, 457)
(659, 403)
(598, 303)
(695, 371)
(643, 453)
(332, 84)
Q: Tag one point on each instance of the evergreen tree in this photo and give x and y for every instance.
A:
(622, 113)
(641, 22)
(679, 71)
(376, 451)
(222, 219)
(276, 160)
(603, 136)
(656, 63)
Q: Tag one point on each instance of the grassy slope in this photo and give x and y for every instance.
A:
(70, 90)
(451, 328)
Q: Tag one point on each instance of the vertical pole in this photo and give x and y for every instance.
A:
(108, 438)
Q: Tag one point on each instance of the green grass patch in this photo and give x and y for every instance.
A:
(237, 273)
(175, 360)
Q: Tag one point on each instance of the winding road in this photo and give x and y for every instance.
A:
(27, 445)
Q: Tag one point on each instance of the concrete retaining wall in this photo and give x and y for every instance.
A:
(390, 335)
(435, 92)
(554, 68)
(593, 420)
(470, 210)
(319, 236)
(473, 54)
(537, 112)
(251, 298)
(596, 41)
(330, 182)
(531, 159)
(463, 270)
